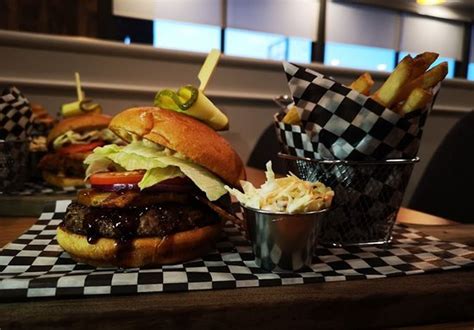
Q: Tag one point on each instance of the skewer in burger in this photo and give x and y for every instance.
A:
(69, 142)
(159, 199)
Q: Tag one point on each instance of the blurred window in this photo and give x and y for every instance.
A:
(470, 68)
(359, 57)
(351, 24)
(470, 71)
(419, 34)
(267, 46)
(186, 36)
(299, 50)
(451, 62)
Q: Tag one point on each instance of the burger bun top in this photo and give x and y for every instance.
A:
(184, 134)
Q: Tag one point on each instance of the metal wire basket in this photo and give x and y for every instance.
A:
(13, 164)
(368, 195)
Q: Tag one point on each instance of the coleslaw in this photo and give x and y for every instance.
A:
(289, 194)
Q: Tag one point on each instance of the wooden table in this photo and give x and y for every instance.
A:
(446, 299)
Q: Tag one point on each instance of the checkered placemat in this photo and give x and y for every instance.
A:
(35, 266)
(42, 188)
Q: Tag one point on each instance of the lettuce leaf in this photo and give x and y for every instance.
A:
(160, 164)
(205, 180)
(98, 161)
(132, 162)
(155, 175)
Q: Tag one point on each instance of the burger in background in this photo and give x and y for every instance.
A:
(159, 199)
(42, 123)
(69, 143)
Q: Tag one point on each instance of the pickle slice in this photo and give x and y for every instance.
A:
(87, 106)
(181, 100)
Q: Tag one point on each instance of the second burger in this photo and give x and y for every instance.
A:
(69, 142)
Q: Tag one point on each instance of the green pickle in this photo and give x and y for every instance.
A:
(192, 102)
(181, 100)
(80, 108)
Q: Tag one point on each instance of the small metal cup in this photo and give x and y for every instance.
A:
(282, 241)
(13, 164)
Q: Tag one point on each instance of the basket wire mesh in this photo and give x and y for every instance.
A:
(368, 195)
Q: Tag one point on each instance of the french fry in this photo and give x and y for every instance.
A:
(363, 84)
(292, 117)
(421, 63)
(417, 99)
(391, 89)
(425, 81)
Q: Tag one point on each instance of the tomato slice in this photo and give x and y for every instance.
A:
(80, 148)
(111, 178)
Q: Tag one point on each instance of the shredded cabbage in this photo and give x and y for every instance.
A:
(160, 164)
(289, 194)
(85, 137)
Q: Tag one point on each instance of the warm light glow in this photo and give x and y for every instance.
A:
(430, 2)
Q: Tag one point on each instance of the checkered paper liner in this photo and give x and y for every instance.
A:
(340, 123)
(16, 115)
(42, 188)
(35, 266)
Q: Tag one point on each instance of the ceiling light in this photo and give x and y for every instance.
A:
(430, 2)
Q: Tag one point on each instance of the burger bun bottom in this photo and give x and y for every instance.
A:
(144, 251)
(62, 181)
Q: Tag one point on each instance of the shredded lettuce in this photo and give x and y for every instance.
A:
(71, 137)
(160, 164)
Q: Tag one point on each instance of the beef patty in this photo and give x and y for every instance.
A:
(69, 165)
(157, 220)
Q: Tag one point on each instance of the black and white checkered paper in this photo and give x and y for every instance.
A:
(340, 123)
(43, 188)
(34, 265)
(16, 116)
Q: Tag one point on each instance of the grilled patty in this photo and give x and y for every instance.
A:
(124, 223)
(69, 165)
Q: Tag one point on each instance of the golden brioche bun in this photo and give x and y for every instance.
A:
(184, 134)
(61, 181)
(79, 124)
(146, 251)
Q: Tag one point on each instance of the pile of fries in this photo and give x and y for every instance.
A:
(408, 88)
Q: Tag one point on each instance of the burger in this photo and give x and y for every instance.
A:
(160, 199)
(69, 143)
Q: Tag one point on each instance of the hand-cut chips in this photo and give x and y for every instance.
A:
(292, 117)
(421, 63)
(426, 81)
(408, 87)
(391, 89)
(363, 84)
(417, 99)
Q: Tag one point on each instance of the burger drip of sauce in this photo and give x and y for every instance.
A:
(126, 222)
(170, 217)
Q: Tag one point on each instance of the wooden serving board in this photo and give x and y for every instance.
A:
(28, 205)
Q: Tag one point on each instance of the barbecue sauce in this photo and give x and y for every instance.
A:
(125, 224)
